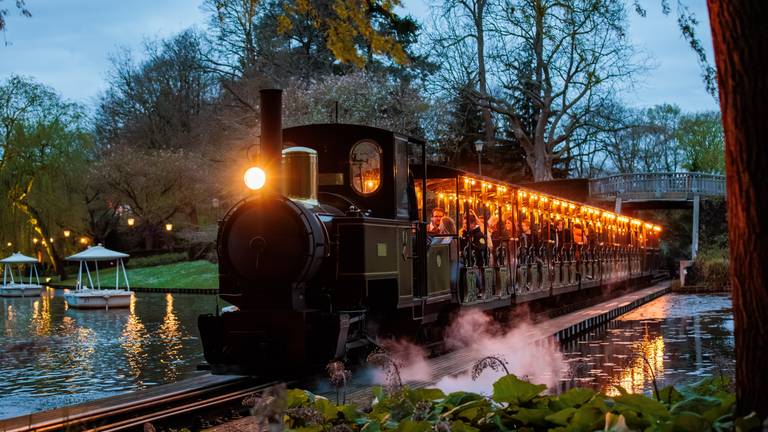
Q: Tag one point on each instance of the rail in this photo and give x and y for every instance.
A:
(656, 186)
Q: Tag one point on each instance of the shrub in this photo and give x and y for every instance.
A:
(519, 405)
(156, 260)
(711, 270)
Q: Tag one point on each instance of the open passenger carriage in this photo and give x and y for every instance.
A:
(533, 244)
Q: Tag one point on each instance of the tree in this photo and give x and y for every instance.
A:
(466, 19)
(579, 52)
(43, 143)
(361, 98)
(741, 55)
(20, 6)
(157, 103)
(154, 185)
(700, 137)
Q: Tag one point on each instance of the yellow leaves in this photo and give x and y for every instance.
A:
(349, 25)
(284, 24)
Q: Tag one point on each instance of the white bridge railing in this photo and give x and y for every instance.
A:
(656, 186)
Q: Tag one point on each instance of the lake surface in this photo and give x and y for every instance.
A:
(677, 338)
(51, 356)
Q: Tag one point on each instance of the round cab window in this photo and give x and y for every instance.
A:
(365, 167)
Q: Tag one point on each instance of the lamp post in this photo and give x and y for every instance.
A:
(479, 148)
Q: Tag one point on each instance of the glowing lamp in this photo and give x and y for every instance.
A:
(131, 222)
(656, 228)
(370, 184)
(34, 240)
(67, 233)
(83, 240)
(169, 227)
(9, 244)
(255, 178)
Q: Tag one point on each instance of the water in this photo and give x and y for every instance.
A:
(677, 338)
(51, 356)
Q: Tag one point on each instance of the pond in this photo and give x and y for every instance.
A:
(51, 356)
(676, 339)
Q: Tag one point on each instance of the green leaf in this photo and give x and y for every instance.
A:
(588, 418)
(429, 394)
(296, 398)
(696, 404)
(515, 391)
(670, 395)
(561, 417)
(532, 417)
(690, 422)
(642, 404)
(327, 408)
(414, 426)
(576, 397)
(621, 390)
(350, 412)
(460, 426)
(458, 398)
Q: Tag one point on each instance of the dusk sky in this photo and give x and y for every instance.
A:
(67, 43)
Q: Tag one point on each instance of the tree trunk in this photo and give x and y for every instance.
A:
(740, 37)
(490, 134)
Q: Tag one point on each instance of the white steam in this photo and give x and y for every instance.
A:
(472, 336)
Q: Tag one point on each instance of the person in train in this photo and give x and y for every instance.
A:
(434, 224)
(579, 236)
(526, 236)
(559, 233)
(447, 226)
(473, 239)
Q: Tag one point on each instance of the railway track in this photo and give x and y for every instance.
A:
(188, 408)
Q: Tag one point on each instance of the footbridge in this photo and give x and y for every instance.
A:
(659, 190)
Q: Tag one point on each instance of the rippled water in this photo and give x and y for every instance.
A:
(677, 338)
(51, 356)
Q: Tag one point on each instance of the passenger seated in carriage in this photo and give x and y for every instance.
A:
(434, 224)
(447, 226)
(473, 241)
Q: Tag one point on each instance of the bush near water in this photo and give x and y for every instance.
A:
(514, 405)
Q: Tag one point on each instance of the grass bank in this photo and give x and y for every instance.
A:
(189, 274)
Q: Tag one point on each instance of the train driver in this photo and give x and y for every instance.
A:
(437, 217)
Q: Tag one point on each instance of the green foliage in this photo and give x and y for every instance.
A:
(701, 139)
(156, 260)
(520, 405)
(710, 270)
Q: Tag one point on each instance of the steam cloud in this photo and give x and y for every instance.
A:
(472, 336)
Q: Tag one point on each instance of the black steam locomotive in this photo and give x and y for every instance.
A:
(341, 247)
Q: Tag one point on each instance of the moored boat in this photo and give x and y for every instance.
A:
(89, 294)
(17, 287)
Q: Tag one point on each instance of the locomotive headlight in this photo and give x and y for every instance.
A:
(255, 178)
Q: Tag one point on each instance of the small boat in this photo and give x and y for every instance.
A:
(18, 288)
(89, 295)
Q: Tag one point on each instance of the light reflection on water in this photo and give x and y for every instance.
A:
(52, 356)
(676, 339)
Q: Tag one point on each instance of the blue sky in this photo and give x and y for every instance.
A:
(67, 43)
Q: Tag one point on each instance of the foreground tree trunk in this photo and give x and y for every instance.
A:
(740, 36)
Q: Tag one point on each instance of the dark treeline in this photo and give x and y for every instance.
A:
(533, 80)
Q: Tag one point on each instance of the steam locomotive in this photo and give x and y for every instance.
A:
(335, 251)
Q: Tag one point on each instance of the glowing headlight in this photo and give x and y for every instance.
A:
(255, 178)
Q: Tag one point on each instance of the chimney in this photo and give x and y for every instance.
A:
(271, 142)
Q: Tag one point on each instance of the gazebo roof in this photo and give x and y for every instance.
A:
(18, 258)
(97, 253)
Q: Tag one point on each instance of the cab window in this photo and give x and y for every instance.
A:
(365, 167)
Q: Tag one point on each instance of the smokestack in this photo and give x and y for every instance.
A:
(271, 143)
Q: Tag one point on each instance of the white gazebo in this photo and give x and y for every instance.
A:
(18, 288)
(89, 295)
